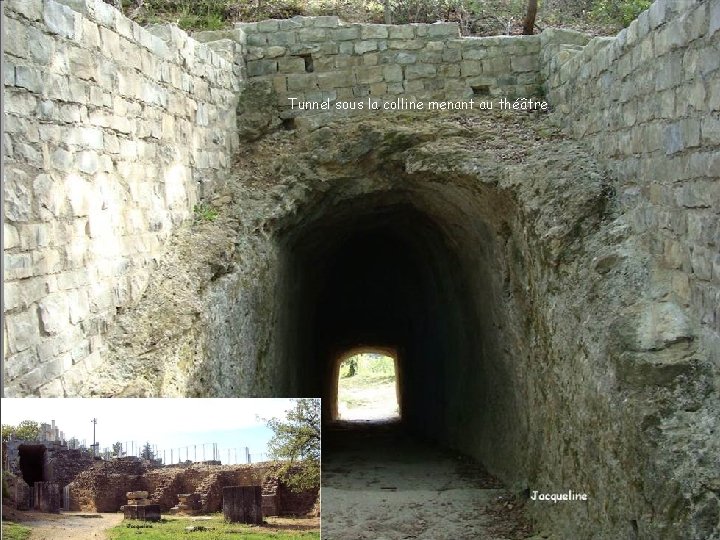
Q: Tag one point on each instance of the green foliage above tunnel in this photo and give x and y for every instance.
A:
(479, 17)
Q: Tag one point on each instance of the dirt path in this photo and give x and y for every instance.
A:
(379, 484)
(71, 526)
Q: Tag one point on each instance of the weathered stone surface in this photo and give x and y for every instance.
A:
(596, 312)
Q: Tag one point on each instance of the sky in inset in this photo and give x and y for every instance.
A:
(184, 425)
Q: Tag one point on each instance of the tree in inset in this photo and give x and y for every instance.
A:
(296, 443)
(117, 449)
(147, 452)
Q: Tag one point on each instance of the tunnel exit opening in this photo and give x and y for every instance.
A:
(368, 390)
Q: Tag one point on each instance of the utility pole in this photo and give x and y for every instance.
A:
(94, 445)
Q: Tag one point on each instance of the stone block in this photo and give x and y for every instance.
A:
(373, 31)
(20, 104)
(18, 45)
(335, 79)
(471, 68)
(495, 65)
(401, 32)
(262, 67)
(346, 33)
(710, 129)
(29, 78)
(430, 57)
(282, 38)
(525, 63)
(41, 46)
(406, 44)
(30, 9)
(451, 56)
(22, 328)
(309, 35)
(291, 64)
(369, 75)
(60, 19)
(404, 58)
(325, 21)
(392, 73)
(144, 512)
(714, 18)
(300, 82)
(242, 504)
(275, 51)
(419, 71)
(444, 30)
(362, 47)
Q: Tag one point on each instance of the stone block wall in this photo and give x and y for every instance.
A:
(315, 59)
(648, 103)
(111, 135)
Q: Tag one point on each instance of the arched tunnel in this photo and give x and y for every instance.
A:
(419, 270)
(503, 280)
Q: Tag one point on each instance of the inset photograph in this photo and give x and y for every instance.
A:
(161, 468)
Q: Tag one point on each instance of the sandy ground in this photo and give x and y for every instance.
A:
(377, 402)
(381, 484)
(70, 525)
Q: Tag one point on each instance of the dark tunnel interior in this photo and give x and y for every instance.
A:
(381, 275)
(32, 462)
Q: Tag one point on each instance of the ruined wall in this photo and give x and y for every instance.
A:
(315, 59)
(647, 102)
(111, 135)
(103, 487)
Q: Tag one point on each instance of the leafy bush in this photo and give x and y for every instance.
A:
(205, 212)
(621, 12)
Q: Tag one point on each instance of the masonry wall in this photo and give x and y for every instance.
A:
(647, 102)
(111, 135)
(315, 59)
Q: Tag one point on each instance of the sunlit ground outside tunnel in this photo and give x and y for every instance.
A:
(367, 388)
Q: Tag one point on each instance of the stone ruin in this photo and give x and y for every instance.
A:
(194, 489)
(140, 507)
(564, 267)
(37, 472)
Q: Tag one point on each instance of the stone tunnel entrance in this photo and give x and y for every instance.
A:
(32, 463)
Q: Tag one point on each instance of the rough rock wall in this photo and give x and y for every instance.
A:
(111, 135)
(647, 102)
(103, 487)
(314, 59)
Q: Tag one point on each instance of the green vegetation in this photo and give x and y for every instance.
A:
(27, 430)
(366, 388)
(479, 17)
(368, 366)
(618, 11)
(296, 442)
(211, 529)
(205, 212)
(13, 531)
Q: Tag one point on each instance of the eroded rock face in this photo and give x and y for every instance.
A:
(493, 255)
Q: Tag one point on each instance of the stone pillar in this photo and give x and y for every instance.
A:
(243, 504)
(46, 497)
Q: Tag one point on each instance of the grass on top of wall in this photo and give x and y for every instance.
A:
(476, 17)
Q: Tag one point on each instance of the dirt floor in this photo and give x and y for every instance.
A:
(381, 484)
(68, 525)
(367, 398)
